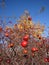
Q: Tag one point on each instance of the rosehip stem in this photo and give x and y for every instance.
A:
(14, 52)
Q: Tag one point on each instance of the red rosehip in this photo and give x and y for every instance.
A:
(45, 59)
(12, 44)
(33, 54)
(6, 34)
(24, 44)
(25, 51)
(34, 49)
(8, 61)
(26, 37)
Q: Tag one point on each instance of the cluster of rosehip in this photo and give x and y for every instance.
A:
(24, 44)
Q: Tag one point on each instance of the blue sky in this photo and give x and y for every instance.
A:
(17, 7)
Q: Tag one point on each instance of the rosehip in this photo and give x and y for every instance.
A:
(24, 44)
(26, 37)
